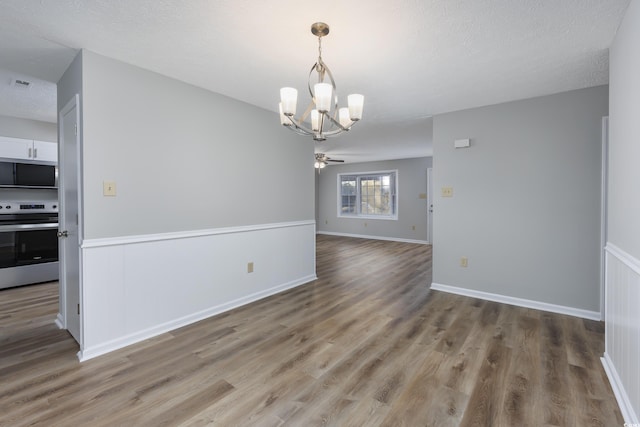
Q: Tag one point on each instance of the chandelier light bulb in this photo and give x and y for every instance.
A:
(284, 121)
(288, 99)
(356, 103)
(343, 115)
(322, 92)
(315, 120)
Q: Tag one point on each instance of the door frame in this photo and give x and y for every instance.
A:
(603, 211)
(430, 205)
(74, 102)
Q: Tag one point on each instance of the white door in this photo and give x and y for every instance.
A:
(69, 230)
(429, 205)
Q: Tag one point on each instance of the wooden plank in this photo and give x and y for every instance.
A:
(368, 343)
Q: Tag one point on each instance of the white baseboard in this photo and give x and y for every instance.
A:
(60, 321)
(363, 236)
(90, 353)
(622, 397)
(520, 302)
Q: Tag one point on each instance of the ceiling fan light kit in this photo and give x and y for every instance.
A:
(324, 97)
(322, 161)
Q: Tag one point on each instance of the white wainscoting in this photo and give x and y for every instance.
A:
(138, 287)
(622, 337)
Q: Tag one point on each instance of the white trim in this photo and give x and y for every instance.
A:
(624, 257)
(60, 321)
(89, 353)
(127, 240)
(373, 217)
(622, 397)
(63, 310)
(603, 210)
(520, 302)
(362, 236)
(430, 205)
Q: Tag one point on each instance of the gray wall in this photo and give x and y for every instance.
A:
(525, 209)
(29, 129)
(412, 211)
(624, 135)
(183, 158)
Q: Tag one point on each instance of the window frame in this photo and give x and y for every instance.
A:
(359, 175)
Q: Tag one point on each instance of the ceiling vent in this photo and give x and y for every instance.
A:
(21, 84)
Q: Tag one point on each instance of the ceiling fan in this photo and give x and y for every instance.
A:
(322, 160)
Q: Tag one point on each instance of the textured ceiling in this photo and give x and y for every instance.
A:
(410, 58)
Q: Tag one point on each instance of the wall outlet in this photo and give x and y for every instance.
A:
(413, 227)
(250, 267)
(447, 191)
(464, 262)
(326, 221)
(365, 224)
(108, 188)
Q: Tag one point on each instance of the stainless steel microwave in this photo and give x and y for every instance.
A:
(15, 174)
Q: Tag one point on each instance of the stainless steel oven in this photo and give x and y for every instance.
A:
(28, 242)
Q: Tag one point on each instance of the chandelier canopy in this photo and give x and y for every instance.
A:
(324, 122)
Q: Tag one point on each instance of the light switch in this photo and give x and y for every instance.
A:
(108, 188)
(447, 191)
(462, 143)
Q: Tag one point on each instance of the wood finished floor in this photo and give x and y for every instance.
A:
(367, 344)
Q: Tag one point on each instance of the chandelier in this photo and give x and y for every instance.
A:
(324, 122)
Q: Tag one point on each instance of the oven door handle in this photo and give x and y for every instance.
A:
(28, 227)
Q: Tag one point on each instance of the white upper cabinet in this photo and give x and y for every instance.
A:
(45, 151)
(28, 149)
(15, 148)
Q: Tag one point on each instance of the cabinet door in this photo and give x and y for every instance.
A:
(16, 148)
(45, 151)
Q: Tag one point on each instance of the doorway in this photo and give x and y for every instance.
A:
(69, 219)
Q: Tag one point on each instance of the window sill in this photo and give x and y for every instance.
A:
(368, 217)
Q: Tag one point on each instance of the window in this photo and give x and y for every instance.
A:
(371, 195)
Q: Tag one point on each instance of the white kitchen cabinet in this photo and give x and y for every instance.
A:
(28, 149)
(45, 151)
(15, 148)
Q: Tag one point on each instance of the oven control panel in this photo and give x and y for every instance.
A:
(28, 206)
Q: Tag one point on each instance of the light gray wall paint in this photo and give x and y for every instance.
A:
(184, 158)
(412, 211)
(526, 198)
(624, 136)
(29, 129)
(70, 83)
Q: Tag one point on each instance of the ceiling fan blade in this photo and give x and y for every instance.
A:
(332, 160)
